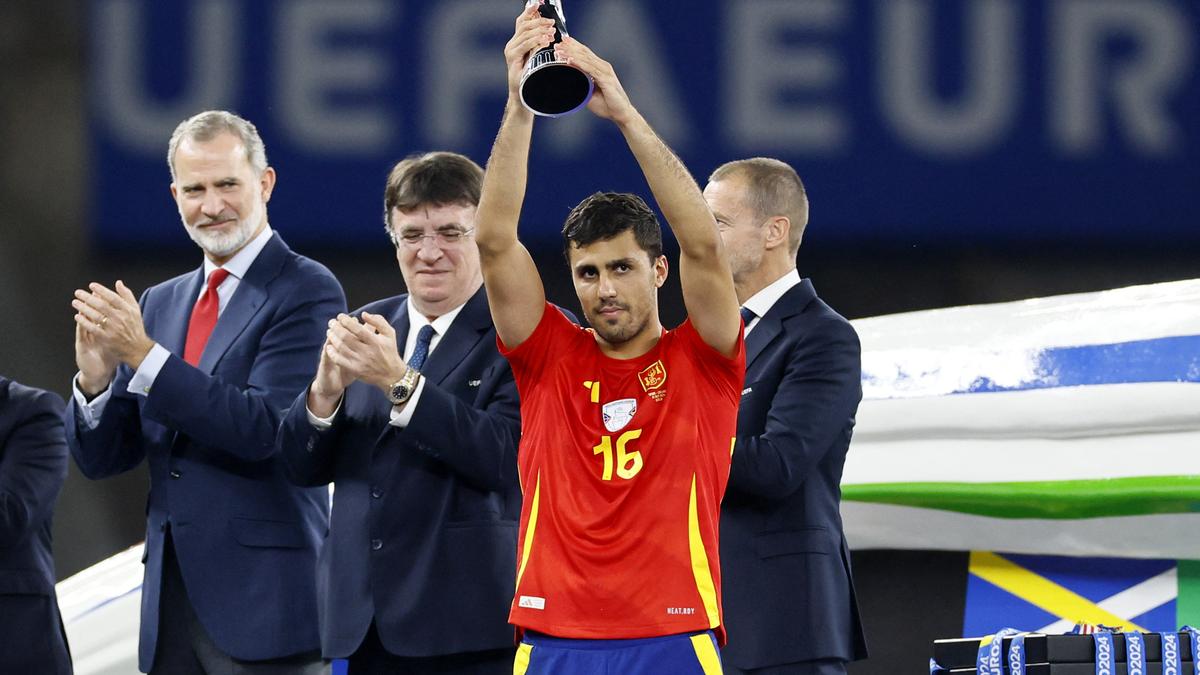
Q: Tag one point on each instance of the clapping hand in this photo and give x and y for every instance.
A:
(364, 350)
(108, 331)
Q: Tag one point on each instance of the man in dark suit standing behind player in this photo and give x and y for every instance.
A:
(789, 595)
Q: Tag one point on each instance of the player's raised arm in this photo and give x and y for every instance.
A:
(704, 274)
(514, 287)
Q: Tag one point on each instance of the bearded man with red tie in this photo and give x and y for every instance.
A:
(194, 378)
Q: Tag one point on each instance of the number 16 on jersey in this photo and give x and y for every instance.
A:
(628, 462)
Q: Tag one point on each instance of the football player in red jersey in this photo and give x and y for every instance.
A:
(627, 428)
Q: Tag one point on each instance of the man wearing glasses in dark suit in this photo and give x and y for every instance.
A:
(413, 417)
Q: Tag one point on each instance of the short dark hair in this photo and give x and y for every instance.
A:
(434, 178)
(605, 215)
(774, 190)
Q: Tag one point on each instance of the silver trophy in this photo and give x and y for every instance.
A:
(550, 87)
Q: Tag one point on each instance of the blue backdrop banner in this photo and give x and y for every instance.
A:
(913, 122)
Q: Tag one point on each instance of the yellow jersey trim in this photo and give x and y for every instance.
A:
(530, 527)
(700, 569)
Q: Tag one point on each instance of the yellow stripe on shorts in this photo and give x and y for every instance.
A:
(521, 663)
(706, 654)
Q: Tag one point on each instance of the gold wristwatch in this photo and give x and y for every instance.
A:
(403, 389)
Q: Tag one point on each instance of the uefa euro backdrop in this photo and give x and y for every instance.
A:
(913, 122)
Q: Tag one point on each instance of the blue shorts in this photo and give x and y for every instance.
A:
(683, 654)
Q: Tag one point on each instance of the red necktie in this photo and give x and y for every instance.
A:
(204, 317)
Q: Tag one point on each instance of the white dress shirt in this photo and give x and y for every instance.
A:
(761, 302)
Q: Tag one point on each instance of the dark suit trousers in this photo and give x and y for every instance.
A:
(822, 667)
(184, 647)
(372, 659)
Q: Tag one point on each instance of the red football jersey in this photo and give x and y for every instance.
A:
(623, 464)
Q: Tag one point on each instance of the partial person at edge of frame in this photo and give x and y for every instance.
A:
(33, 466)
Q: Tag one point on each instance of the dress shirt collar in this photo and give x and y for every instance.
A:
(440, 325)
(761, 302)
(240, 263)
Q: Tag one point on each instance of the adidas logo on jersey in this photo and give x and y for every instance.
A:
(531, 602)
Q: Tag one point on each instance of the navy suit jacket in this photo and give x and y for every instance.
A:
(33, 466)
(245, 537)
(423, 536)
(786, 583)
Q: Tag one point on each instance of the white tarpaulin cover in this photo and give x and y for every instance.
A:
(1066, 425)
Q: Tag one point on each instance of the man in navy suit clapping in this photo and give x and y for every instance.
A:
(413, 417)
(194, 379)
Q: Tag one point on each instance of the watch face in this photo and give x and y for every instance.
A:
(404, 388)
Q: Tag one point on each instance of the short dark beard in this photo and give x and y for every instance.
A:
(618, 336)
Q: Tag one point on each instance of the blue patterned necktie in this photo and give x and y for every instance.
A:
(747, 315)
(421, 350)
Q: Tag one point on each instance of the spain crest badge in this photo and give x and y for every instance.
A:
(654, 376)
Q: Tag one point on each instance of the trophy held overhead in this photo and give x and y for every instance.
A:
(550, 87)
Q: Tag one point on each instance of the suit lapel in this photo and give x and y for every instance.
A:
(247, 300)
(400, 323)
(466, 331)
(764, 333)
(770, 326)
(171, 333)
